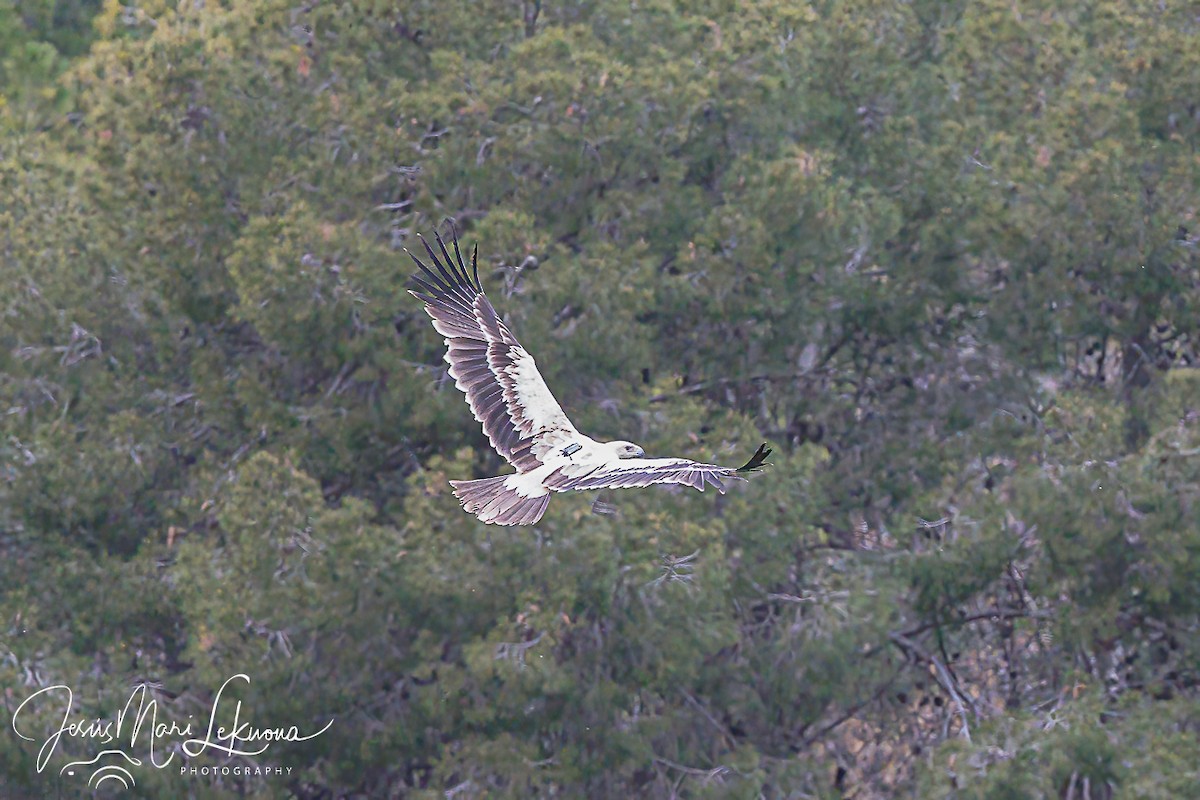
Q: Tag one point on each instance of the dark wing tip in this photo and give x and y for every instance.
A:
(474, 264)
(459, 275)
(458, 256)
(757, 461)
(451, 279)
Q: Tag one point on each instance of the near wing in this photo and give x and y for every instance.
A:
(506, 393)
(627, 472)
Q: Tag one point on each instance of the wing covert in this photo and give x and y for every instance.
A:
(632, 472)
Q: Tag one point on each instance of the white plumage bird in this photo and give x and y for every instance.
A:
(521, 418)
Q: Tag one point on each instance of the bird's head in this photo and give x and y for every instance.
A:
(626, 449)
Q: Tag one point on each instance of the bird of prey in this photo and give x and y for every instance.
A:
(521, 418)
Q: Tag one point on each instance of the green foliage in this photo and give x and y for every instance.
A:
(942, 255)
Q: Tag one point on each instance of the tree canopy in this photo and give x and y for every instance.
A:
(942, 255)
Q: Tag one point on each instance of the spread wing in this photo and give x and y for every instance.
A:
(627, 472)
(506, 393)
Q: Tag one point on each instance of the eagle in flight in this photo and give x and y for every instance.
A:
(521, 418)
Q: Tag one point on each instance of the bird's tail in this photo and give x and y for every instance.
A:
(492, 501)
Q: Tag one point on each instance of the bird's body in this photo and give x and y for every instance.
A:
(520, 416)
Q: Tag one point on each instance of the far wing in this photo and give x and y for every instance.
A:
(630, 472)
(506, 392)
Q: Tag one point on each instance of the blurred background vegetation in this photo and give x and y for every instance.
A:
(942, 255)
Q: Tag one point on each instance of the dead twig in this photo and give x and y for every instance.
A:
(943, 675)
